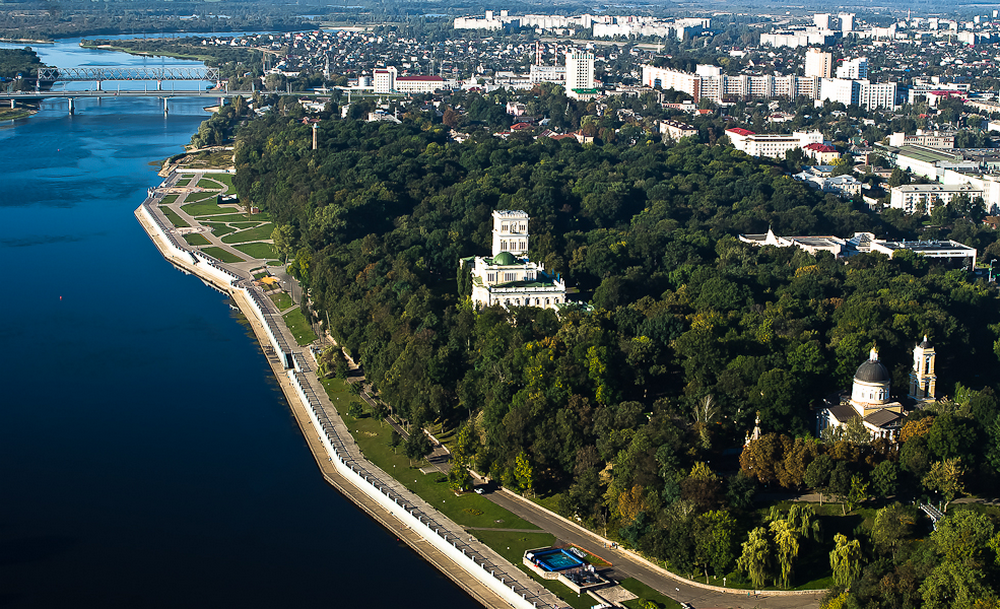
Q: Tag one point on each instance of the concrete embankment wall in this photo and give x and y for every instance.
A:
(370, 483)
(211, 269)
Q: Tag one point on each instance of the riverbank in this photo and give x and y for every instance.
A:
(122, 49)
(477, 569)
(13, 114)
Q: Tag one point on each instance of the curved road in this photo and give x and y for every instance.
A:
(626, 565)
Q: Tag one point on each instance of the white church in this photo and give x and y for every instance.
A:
(869, 397)
(507, 277)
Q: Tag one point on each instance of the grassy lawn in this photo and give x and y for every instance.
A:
(222, 254)
(209, 160)
(281, 300)
(262, 251)
(226, 179)
(167, 200)
(550, 502)
(274, 263)
(644, 592)
(254, 234)
(242, 225)
(196, 239)
(218, 228)
(260, 274)
(205, 209)
(199, 197)
(468, 509)
(173, 218)
(184, 182)
(238, 218)
(210, 183)
(300, 328)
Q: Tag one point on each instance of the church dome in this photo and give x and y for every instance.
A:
(872, 372)
(926, 344)
(504, 259)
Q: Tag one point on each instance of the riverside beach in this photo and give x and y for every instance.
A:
(482, 573)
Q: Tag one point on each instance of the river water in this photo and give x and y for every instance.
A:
(147, 458)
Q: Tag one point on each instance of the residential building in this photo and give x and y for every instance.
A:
(818, 63)
(385, 80)
(798, 38)
(709, 82)
(419, 84)
(676, 130)
(923, 198)
(555, 74)
(667, 78)
(771, 145)
(853, 69)
(579, 72)
(821, 153)
(932, 139)
(868, 95)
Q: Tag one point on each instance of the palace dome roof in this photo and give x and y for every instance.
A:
(504, 259)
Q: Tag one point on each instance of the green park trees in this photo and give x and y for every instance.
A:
(627, 411)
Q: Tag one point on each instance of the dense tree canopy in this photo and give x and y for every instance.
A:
(611, 407)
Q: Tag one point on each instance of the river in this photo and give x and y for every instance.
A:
(147, 457)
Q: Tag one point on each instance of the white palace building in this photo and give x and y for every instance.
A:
(508, 278)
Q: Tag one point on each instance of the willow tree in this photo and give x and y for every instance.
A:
(845, 560)
(757, 557)
(786, 539)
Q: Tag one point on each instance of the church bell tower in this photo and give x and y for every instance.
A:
(923, 382)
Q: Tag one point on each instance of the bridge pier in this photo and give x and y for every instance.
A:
(98, 85)
(71, 109)
(165, 107)
(12, 103)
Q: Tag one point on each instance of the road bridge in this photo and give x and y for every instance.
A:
(72, 96)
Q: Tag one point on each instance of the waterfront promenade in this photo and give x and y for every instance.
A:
(319, 421)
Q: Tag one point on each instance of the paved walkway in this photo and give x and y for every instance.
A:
(196, 226)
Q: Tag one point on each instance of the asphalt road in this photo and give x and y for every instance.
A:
(626, 566)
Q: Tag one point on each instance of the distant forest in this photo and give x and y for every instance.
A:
(15, 63)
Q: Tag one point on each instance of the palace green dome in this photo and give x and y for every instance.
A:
(504, 259)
